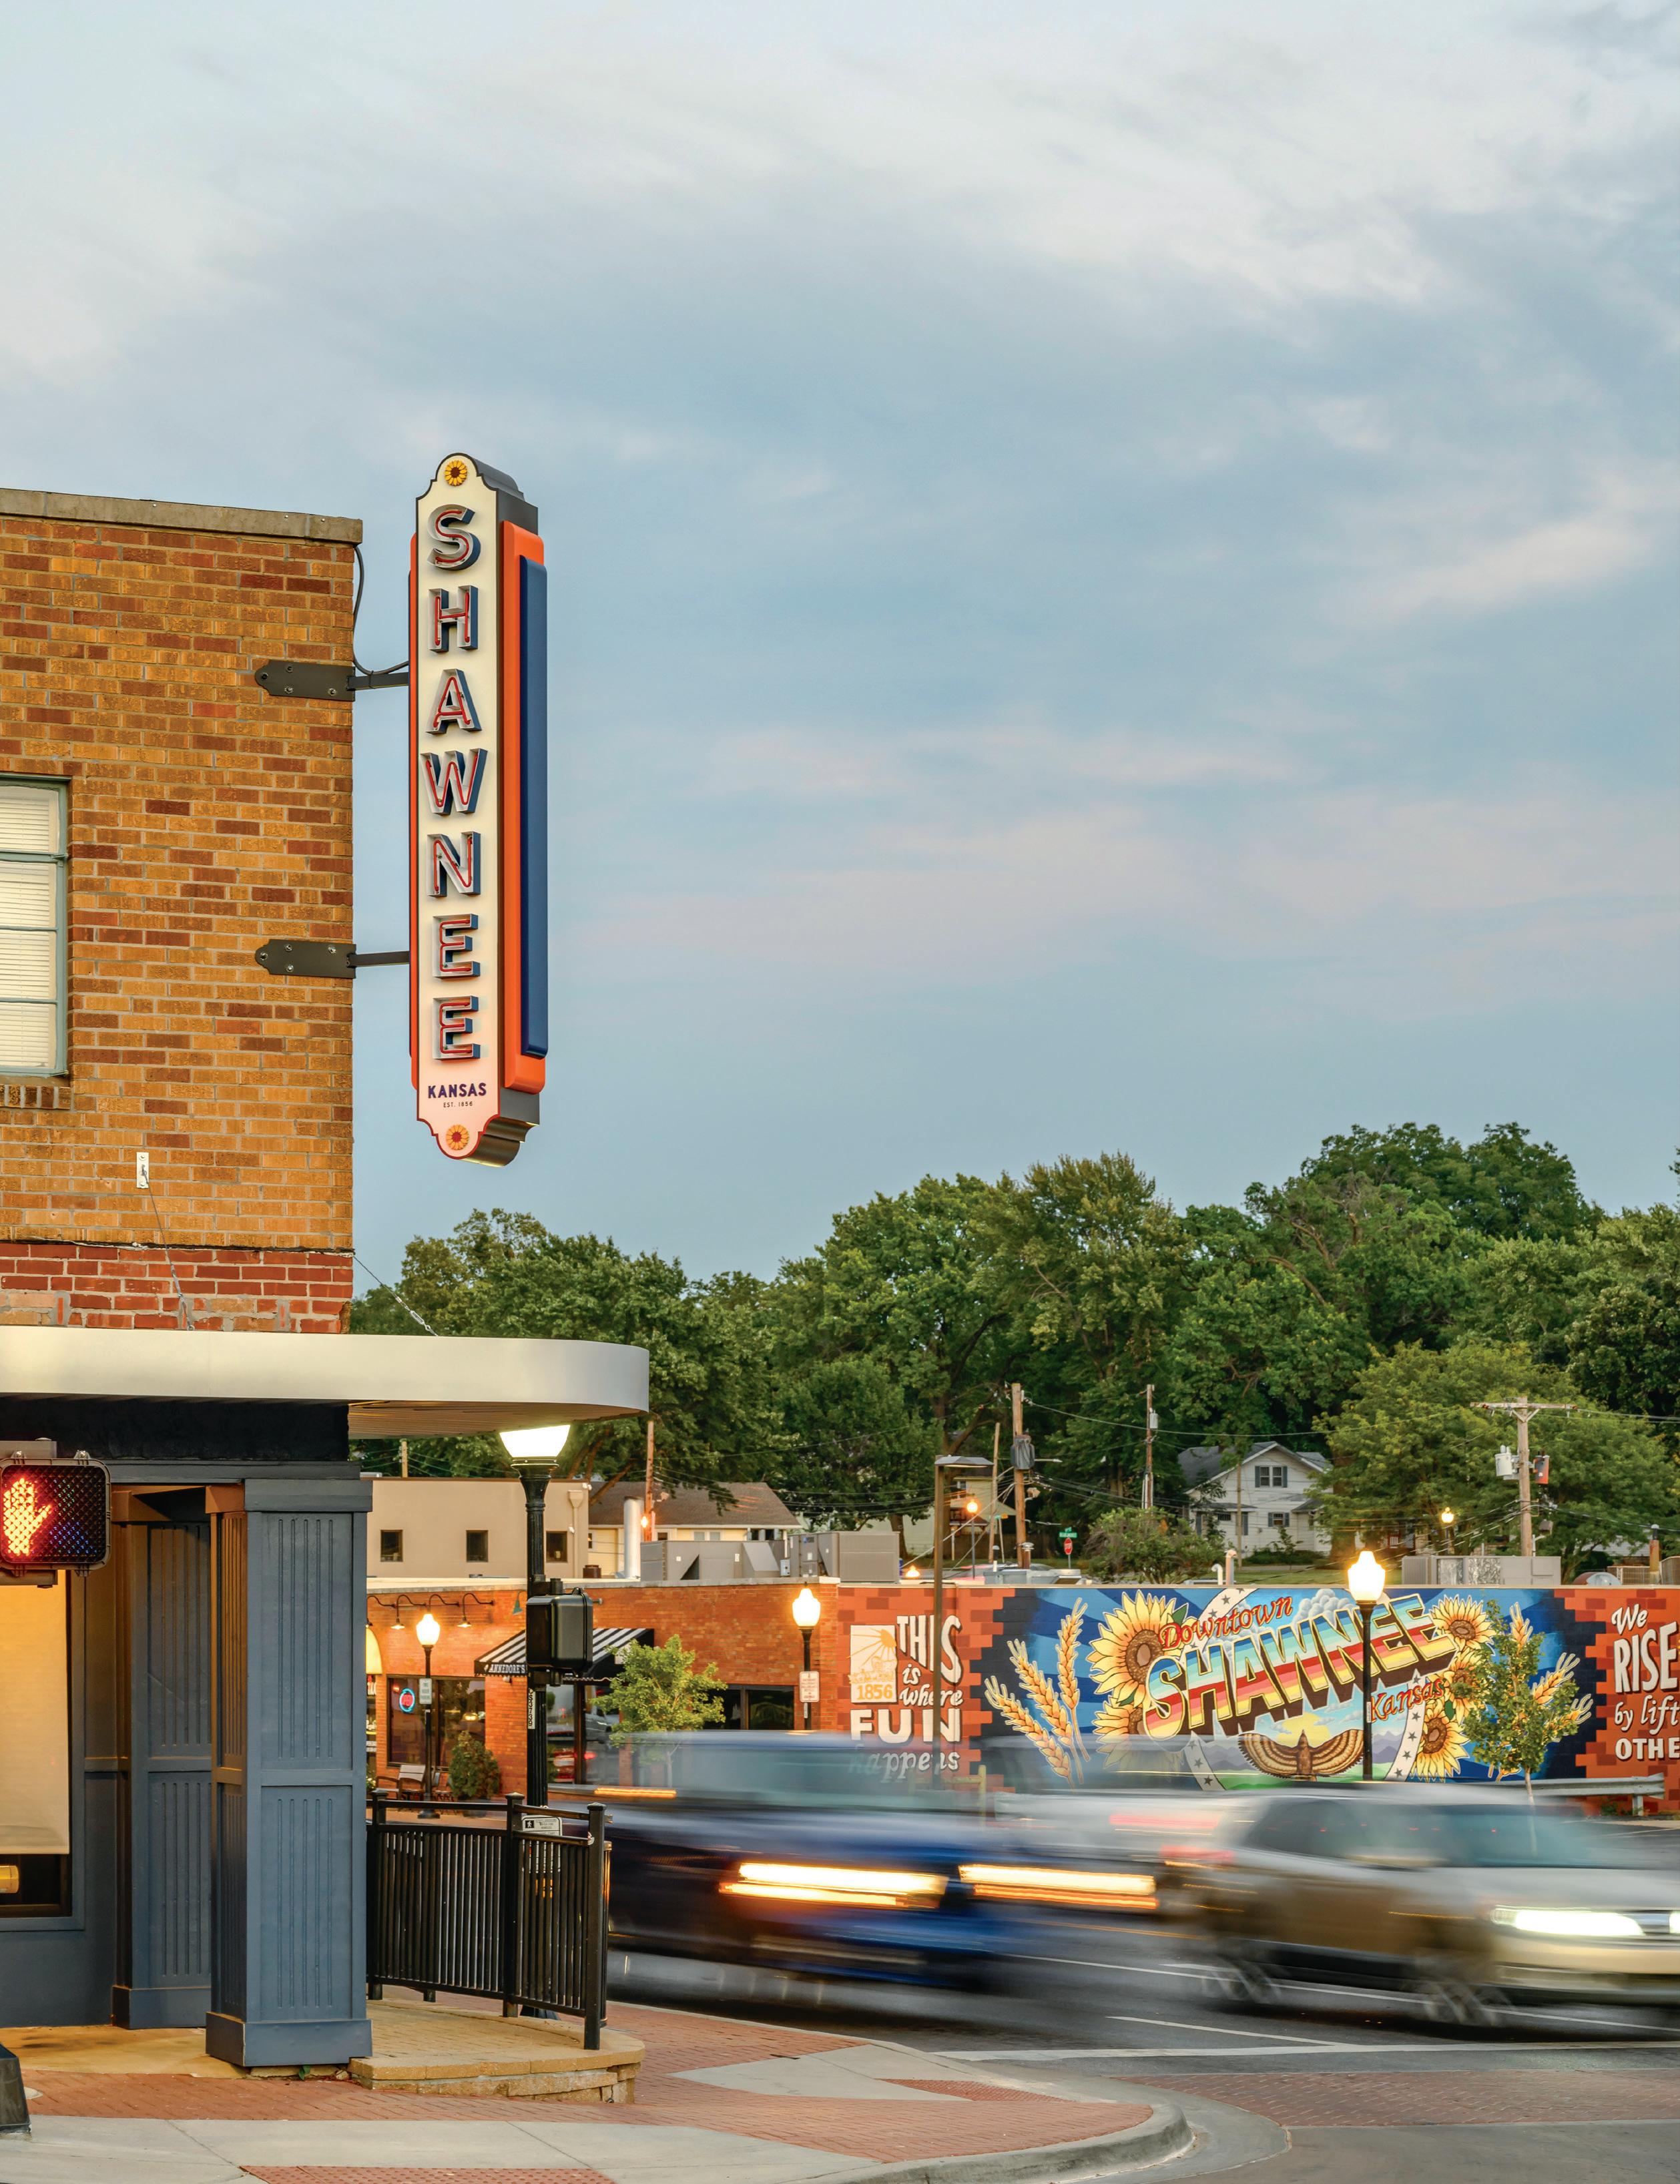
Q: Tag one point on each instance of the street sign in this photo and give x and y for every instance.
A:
(426, 1690)
(478, 816)
(808, 1687)
(55, 1515)
(1067, 1537)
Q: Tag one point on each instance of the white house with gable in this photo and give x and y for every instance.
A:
(1256, 1501)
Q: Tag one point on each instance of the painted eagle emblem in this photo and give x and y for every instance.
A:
(1310, 1756)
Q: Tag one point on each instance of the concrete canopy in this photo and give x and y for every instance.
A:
(392, 1383)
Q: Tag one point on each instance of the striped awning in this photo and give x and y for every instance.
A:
(508, 1659)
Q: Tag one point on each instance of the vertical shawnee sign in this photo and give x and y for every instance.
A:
(478, 1027)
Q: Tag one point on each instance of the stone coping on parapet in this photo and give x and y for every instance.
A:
(179, 515)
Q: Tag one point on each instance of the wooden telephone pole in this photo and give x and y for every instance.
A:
(1023, 1551)
(1522, 1410)
(1149, 1447)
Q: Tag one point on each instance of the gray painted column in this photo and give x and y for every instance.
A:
(166, 1978)
(288, 1983)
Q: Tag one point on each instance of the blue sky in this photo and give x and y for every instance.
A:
(1113, 568)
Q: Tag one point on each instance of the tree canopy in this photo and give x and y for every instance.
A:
(1360, 1306)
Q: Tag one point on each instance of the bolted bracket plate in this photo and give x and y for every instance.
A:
(315, 678)
(307, 959)
(322, 959)
(304, 678)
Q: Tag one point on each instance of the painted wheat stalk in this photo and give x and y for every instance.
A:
(1004, 1702)
(1067, 1666)
(1042, 1692)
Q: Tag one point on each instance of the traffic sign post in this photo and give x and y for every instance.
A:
(55, 1514)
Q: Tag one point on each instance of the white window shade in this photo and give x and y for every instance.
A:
(32, 953)
(35, 1722)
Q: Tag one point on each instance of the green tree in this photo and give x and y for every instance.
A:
(660, 1688)
(1503, 1185)
(709, 1386)
(1530, 1292)
(854, 1449)
(473, 1771)
(1513, 1715)
(1624, 1346)
(1136, 1543)
(1090, 1266)
(1410, 1441)
(907, 1281)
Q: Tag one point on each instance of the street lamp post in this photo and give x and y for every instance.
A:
(428, 1630)
(1366, 1578)
(531, 1451)
(943, 1468)
(807, 1613)
(1449, 1519)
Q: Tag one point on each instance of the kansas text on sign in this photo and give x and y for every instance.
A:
(478, 1027)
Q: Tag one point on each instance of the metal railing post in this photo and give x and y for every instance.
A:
(512, 1846)
(376, 1870)
(595, 1928)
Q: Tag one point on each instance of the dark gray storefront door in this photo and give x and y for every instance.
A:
(168, 1566)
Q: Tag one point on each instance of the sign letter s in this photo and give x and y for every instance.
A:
(453, 546)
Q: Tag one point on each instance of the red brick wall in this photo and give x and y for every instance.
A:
(747, 1630)
(107, 1285)
(205, 816)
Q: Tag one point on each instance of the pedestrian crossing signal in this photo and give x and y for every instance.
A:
(54, 1515)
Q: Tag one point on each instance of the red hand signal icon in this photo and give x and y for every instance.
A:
(22, 1514)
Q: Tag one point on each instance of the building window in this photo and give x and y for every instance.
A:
(391, 1546)
(478, 1547)
(557, 1547)
(1272, 1474)
(1279, 1520)
(1245, 1523)
(32, 960)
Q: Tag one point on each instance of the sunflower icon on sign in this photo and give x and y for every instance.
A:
(457, 1138)
(455, 471)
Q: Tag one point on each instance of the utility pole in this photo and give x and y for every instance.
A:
(994, 1543)
(1149, 1423)
(1023, 1551)
(1522, 1410)
(648, 1492)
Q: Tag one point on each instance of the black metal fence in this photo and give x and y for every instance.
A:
(515, 1910)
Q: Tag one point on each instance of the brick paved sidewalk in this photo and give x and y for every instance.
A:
(717, 2102)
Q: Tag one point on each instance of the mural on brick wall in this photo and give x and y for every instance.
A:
(1263, 1681)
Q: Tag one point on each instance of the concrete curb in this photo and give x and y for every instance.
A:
(1163, 2135)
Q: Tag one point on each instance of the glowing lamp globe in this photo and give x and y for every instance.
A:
(807, 1610)
(428, 1630)
(1367, 1579)
(535, 1445)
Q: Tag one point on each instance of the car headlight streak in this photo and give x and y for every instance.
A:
(1050, 1884)
(833, 1884)
(1572, 1925)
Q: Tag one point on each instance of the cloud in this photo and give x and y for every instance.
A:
(1473, 553)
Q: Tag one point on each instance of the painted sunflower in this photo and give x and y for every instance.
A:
(1441, 1749)
(1467, 1621)
(1128, 1645)
(1119, 1717)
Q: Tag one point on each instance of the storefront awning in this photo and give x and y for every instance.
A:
(508, 1659)
(392, 1385)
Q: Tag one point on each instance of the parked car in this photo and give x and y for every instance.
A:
(1468, 1899)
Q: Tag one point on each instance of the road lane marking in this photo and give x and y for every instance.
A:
(1005, 2055)
(1454, 2056)
(1236, 2032)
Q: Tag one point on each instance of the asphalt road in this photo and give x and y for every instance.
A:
(1354, 2088)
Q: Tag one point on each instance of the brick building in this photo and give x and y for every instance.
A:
(181, 1752)
(160, 816)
